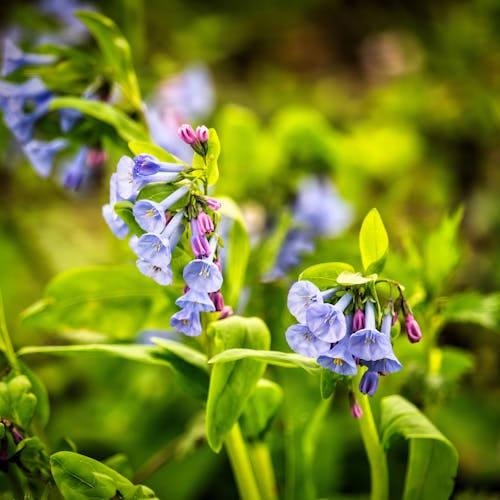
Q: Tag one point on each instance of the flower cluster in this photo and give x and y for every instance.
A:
(340, 340)
(25, 104)
(185, 209)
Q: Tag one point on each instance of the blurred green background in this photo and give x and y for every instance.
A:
(397, 102)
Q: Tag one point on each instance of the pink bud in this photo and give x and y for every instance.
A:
(226, 312)
(358, 322)
(218, 264)
(187, 134)
(96, 157)
(356, 411)
(202, 133)
(218, 300)
(212, 203)
(200, 246)
(204, 222)
(412, 329)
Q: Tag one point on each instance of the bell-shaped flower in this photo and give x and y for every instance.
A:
(389, 363)
(327, 321)
(369, 382)
(74, 172)
(150, 215)
(146, 165)
(304, 293)
(302, 341)
(202, 275)
(14, 58)
(187, 321)
(199, 301)
(162, 275)
(339, 359)
(41, 154)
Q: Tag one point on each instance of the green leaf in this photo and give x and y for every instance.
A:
(32, 454)
(115, 300)
(17, 402)
(347, 278)
(79, 478)
(432, 459)
(213, 153)
(124, 210)
(277, 358)
(125, 127)
(442, 253)
(325, 275)
(144, 147)
(455, 363)
(329, 381)
(260, 409)
(373, 243)
(231, 383)
(238, 251)
(116, 52)
(472, 307)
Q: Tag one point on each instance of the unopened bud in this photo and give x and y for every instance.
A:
(187, 134)
(202, 133)
(412, 329)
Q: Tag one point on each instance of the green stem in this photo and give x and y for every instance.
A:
(240, 463)
(263, 469)
(376, 456)
(5, 342)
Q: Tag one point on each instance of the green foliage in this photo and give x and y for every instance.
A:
(79, 478)
(209, 163)
(231, 383)
(326, 275)
(42, 411)
(328, 383)
(373, 243)
(116, 52)
(238, 251)
(117, 301)
(125, 127)
(346, 278)
(33, 458)
(143, 147)
(431, 455)
(17, 401)
(260, 409)
(472, 307)
(124, 210)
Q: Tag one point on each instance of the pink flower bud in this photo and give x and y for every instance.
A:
(187, 134)
(204, 222)
(212, 203)
(218, 264)
(218, 300)
(358, 322)
(356, 411)
(200, 246)
(202, 133)
(96, 157)
(226, 312)
(412, 329)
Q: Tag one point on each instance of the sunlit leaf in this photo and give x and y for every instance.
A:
(325, 275)
(373, 242)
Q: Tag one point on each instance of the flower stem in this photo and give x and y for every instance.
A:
(376, 456)
(240, 463)
(263, 469)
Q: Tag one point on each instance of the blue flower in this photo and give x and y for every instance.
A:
(301, 340)
(297, 243)
(199, 301)
(32, 89)
(114, 221)
(327, 321)
(75, 170)
(41, 154)
(187, 321)
(369, 382)
(68, 117)
(162, 275)
(339, 359)
(14, 58)
(202, 275)
(150, 215)
(146, 165)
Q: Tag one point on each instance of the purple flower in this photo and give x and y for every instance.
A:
(412, 329)
(146, 165)
(74, 172)
(359, 320)
(199, 301)
(150, 215)
(369, 382)
(41, 154)
(304, 293)
(14, 58)
(162, 275)
(327, 321)
(302, 341)
(187, 321)
(68, 118)
(199, 242)
(202, 275)
(339, 359)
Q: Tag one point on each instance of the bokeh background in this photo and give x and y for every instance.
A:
(398, 103)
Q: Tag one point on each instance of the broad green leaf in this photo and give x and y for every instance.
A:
(238, 251)
(373, 243)
(442, 252)
(325, 275)
(432, 459)
(346, 278)
(115, 300)
(116, 52)
(79, 478)
(231, 383)
(472, 307)
(143, 147)
(188, 365)
(260, 409)
(124, 210)
(277, 358)
(121, 464)
(125, 127)
(42, 411)
(17, 402)
(328, 383)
